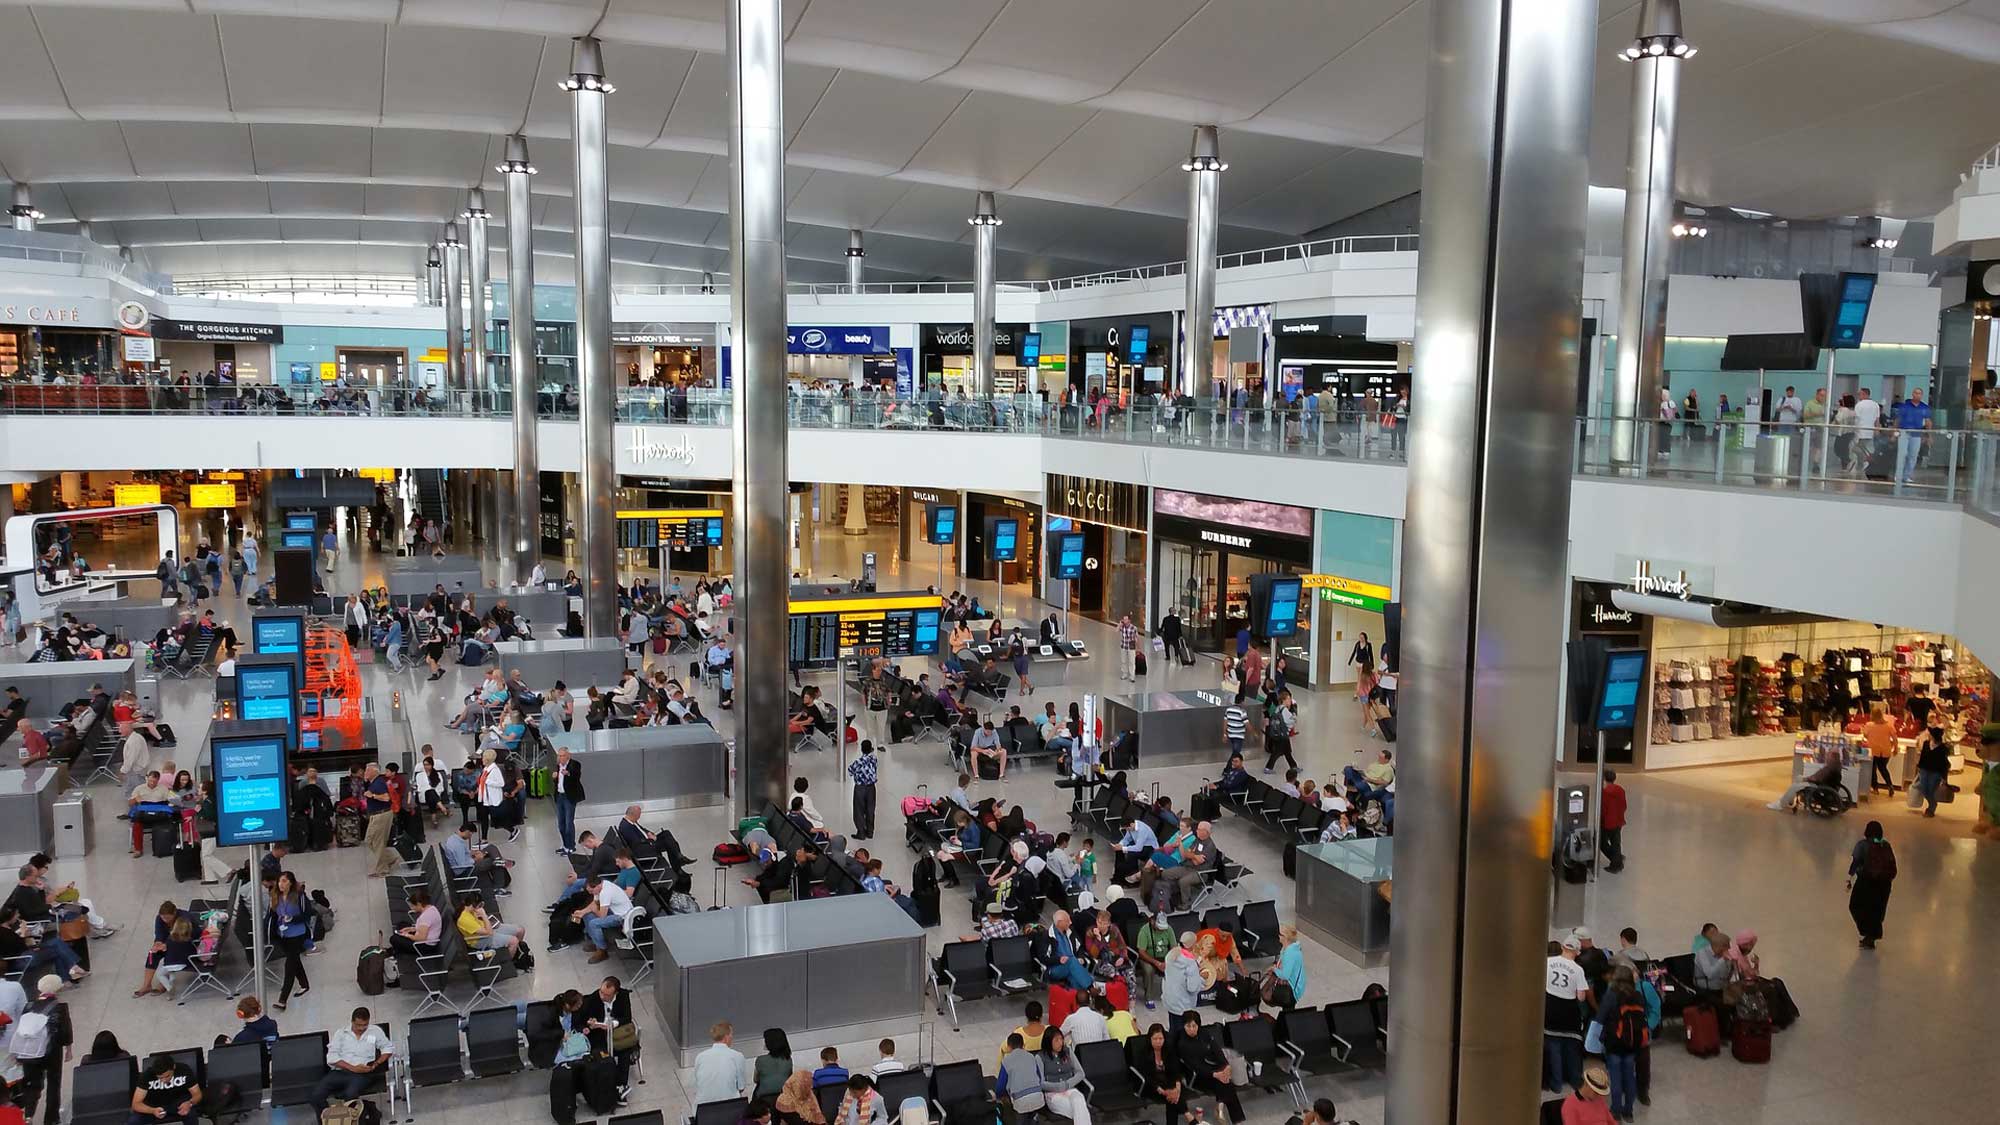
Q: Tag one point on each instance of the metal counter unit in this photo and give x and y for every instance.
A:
(27, 810)
(1340, 896)
(134, 618)
(656, 768)
(48, 686)
(827, 970)
(1176, 728)
(574, 662)
(546, 610)
(457, 581)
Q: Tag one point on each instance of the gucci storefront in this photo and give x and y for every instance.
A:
(1205, 548)
(1112, 517)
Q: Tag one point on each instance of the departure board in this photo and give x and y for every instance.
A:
(819, 638)
(815, 638)
(681, 529)
(691, 534)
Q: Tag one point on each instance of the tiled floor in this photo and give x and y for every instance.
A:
(1904, 1032)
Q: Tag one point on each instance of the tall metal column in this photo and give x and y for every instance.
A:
(596, 394)
(985, 224)
(1655, 53)
(23, 212)
(433, 276)
(477, 375)
(1204, 167)
(1484, 554)
(855, 253)
(754, 40)
(525, 530)
(454, 309)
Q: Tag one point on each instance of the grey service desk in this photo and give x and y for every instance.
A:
(546, 610)
(1339, 896)
(49, 686)
(828, 970)
(1176, 728)
(578, 663)
(135, 618)
(27, 810)
(421, 574)
(656, 768)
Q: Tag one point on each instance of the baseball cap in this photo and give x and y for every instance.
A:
(1582, 933)
(1571, 942)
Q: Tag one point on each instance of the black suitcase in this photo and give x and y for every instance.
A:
(166, 838)
(1291, 859)
(600, 1084)
(562, 1094)
(187, 863)
(563, 930)
(1784, 1013)
(1387, 725)
(1139, 662)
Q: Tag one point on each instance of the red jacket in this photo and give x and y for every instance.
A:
(1612, 806)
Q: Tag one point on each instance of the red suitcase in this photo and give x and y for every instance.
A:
(1750, 1041)
(1062, 1001)
(1704, 1030)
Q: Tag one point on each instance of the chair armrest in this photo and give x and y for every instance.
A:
(1342, 1047)
(1297, 1055)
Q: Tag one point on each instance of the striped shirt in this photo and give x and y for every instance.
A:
(1235, 724)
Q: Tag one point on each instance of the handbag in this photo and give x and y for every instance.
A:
(625, 1037)
(1593, 1039)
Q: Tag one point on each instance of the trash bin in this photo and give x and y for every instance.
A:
(1774, 455)
(148, 692)
(72, 826)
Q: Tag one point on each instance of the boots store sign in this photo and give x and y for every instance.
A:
(837, 339)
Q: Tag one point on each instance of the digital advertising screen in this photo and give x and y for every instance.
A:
(301, 521)
(1850, 318)
(268, 691)
(941, 522)
(1137, 338)
(1278, 598)
(1003, 539)
(1031, 349)
(924, 634)
(1066, 555)
(251, 801)
(292, 538)
(1624, 676)
(277, 635)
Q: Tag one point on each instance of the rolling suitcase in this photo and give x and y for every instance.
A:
(1704, 1030)
(1139, 662)
(166, 838)
(600, 1084)
(187, 863)
(562, 1094)
(1387, 725)
(1750, 1041)
(1784, 1013)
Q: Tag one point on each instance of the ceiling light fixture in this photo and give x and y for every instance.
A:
(1686, 229)
(1882, 243)
(475, 206)
(1659, 33)
(516, 161)
(1205, 152)
(984, 215)
(589, 69)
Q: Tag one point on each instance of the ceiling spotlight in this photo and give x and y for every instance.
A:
(515, 160)
(1882, 243)
(586, 66)
(26, 211)
(984, 214)
(1685, 229)
(1656, 46)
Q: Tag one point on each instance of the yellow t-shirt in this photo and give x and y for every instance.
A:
(1122, 1026)
(468, 927)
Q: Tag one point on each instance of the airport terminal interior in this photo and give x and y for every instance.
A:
(1575, 500)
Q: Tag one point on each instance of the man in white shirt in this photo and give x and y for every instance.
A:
(889, 1063)
(1867, 416)
(605, 914)
(354, 1056)
(1086, 1024)
(1790, 409)
(1566, 995)
(721, 1073)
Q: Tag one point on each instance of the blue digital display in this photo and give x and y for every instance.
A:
(277, 635)
(1004, 540)
(924, 633)
(268, 691)
(296, 539)
(943, 524)
(1624, 674)
(1031, 349)
(1136, 340)
(1283, 618)
(251, 800)
(1066, 555)
(301, 521)
(1061, 523)
(1857, 291)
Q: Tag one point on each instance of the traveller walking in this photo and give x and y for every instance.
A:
(1933, 763)
(1871, 871)
(1880, 734)
(1128, 648)
(1611, 822)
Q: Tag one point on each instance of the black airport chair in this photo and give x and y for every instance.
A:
(241, 1065)
(720, 1113)
(432, 1051)
(1256, 1039)
(1257, 929)
(650, 1117)
(1304, 1035)
(491, 1043)
(1114, 1088)
(953, 1083)
(896, 1088)
(298, 1062)
(1352, 1023)
(100, 1093)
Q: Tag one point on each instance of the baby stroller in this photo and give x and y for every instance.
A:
(1823, 794)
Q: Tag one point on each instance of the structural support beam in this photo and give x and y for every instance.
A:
(596, 393)
(1204, 168)
(454, 308)
(754, 40)
(477, 375)
(1655, 55)
(524, 530)
(23, 212)
(1484, 553)
(985, 224)
(855, 253)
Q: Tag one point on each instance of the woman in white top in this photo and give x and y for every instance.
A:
(704, 602)
(492, 789)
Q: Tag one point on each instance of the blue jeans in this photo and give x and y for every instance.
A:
(1562, 1063)
(1928, 783)
(575, 886)
(1624, 1082)
(1908, 445)
(566, 822)
(52, 951)
(599, 930)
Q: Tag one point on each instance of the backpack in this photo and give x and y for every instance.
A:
(729, 855)
(1627, 1033)
(31, 1032)
(681, 903)
(1879, 863)
(370, 971)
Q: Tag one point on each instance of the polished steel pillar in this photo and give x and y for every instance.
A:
(23, 212)
(1204, 167)
(454, 309)
(433, 279)
(985, 224)
(1655, 54)
(596, 391)
(1505, 186)
(524, 531)
(754, 40)
(478, 376)
(855, 252)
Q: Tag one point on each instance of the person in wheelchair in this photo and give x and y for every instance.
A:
(1819, 791)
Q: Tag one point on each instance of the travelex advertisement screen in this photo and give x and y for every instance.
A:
(301, 521)
(250, 800)
(267, 693)
(1066, 555)
(944, 524)
(282, 635)
(296, 539)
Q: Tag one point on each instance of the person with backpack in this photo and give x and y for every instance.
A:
(42, 1040)
(1622, 1021)
(1871, 871)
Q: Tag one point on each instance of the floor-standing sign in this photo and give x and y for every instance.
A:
(1617, 709)
(247, 763)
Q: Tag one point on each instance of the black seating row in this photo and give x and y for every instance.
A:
(282, 1072)
(823, 871)
(947, 1084)
(432, 971)
(483, 1043)
(1116, 1084)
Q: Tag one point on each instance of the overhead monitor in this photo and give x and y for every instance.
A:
(941, 524)
(1066, 554)
(267, 688)
(1624, 676)
(1003, 538)
(294, 538)
(247, 761)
